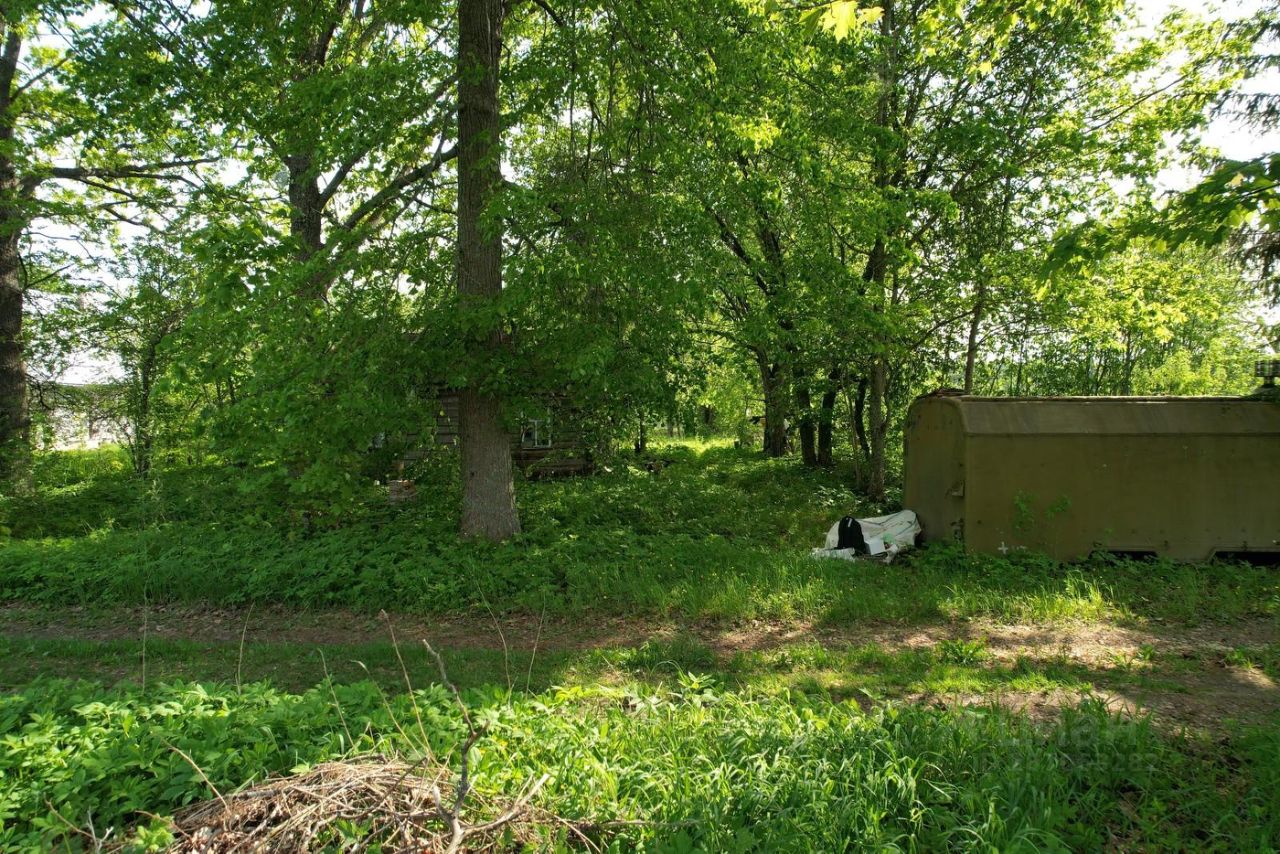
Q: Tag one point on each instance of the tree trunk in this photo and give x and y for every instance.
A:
(877, 268)
(808, 433)
(14, 416)
(488, 493)
(306, 223)
(15, 449)
(826, 423)
(142, 430)
(1126, 377)
(775, 409)
(975, 323)
(860, 419)
(305, 206)
(878, 429)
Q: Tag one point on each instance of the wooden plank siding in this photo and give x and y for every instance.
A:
(564, 453)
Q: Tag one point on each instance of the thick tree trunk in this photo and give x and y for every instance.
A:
(826, 424)
(775, 409)
(14, 417)
(15, 449)
(808, 432)
(306, 209)
(488, 494)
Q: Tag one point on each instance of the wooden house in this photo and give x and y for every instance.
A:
(548, 443)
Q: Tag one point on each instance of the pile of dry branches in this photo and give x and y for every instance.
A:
(401, 806)
(375, 801)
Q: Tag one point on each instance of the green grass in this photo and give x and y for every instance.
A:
(717, 534)
(704, 769)
(835, 672)
(708, 748)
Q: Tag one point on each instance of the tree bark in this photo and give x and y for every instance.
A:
(775, 408)
(975, 323)
(306, 223)
(808, 433)
(878, 429)
(15, 420)
(877, 268)
(488, 493)
(826, 421)
(860, 419)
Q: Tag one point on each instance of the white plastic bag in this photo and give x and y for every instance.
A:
(883, 535)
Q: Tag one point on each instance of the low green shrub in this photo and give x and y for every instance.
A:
(715, 534)
(55, 469)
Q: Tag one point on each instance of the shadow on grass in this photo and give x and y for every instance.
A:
(1205, 691)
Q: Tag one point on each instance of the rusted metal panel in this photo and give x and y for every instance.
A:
(1180, 477)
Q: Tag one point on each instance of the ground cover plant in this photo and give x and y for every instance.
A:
(714, 533)
(704, 769)
(718, 690)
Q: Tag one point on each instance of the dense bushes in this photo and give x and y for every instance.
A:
(706, 770)
(716, 534)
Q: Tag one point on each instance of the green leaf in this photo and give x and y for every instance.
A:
(841, 17)
(810, 20)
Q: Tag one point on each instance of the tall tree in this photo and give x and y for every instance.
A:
(14, 418)
(488, 494)
(333, 211)
(119, 158)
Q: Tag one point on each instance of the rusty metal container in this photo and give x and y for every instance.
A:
(1186, 478)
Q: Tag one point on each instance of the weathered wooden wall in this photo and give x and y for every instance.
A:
(565, 455)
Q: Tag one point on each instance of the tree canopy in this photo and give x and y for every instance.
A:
(290, 231)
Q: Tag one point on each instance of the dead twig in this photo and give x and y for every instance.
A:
(240, 657)
(298, 813)
(199, 771)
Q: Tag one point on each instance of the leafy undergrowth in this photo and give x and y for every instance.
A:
(712, 533)
(698, 769)
(754, 752)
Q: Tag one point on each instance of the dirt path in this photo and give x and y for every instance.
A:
(1195, 682)
(1090, 643)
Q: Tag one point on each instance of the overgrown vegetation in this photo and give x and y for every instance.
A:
(714, 533)
(700, 769)
(800, 745)
(268, 247)
(303, 246)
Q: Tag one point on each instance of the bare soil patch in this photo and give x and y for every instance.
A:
(1086, 642)
(1192, 683)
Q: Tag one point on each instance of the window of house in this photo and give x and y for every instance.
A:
(536, 433)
